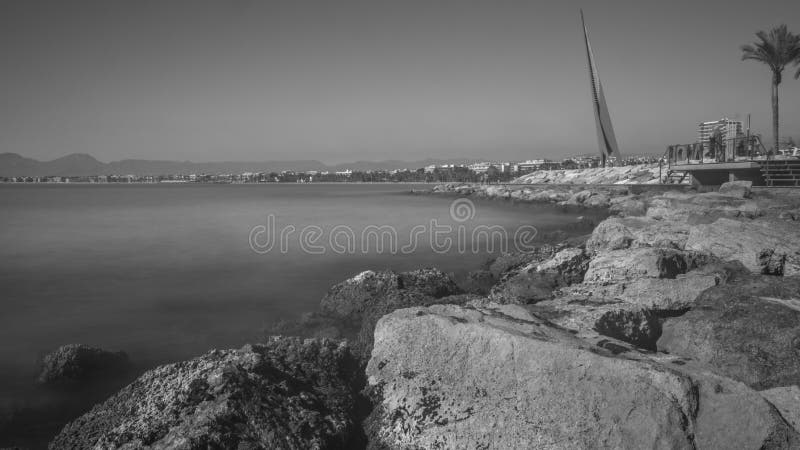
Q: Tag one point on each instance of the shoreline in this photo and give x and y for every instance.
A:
(627, 293)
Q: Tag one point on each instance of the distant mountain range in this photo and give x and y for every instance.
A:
(81, 164)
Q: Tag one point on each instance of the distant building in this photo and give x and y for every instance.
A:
(729, 130)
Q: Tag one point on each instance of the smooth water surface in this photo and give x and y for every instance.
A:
(167, 272)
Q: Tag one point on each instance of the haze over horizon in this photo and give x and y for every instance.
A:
(348, 80)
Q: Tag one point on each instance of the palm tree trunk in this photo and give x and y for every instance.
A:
(775, 113)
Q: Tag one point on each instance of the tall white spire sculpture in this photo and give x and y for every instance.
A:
(605, 132)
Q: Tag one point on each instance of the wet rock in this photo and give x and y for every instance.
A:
(454, 377)
(77, 363)
(748, 331)
(287, 393)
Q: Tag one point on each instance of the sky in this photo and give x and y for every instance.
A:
(344, 80)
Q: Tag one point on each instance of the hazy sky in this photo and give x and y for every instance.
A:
(344, 80)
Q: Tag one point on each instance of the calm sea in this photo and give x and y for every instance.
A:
(167, 272)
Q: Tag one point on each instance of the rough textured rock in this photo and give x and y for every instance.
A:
(711, 205)
(628, 206)
(739, 189)
(749, 242)
(76, 363)
(507, 262)
(749, 331)
(787, 400)
(570, 263)
(478, 282)
(350, 309)
(620, 265)
(610, 317)
(537, 280)
(287, 393)
(453, 377)
(617, 233)
(355, 296)
(526, 287)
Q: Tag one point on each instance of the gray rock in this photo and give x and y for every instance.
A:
(749, 242)
(610, 317)
(355, 296)
(537, 280)
(508, 262)
(627, 206)
(748, 331)
(570, 263)
(287, 393)
(526, 288)
(454, 377)
(787, 400)
(739, 189)
(635, 263)
(619, 233)
(77, 363)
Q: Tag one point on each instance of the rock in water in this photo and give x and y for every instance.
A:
(356, 296)
(287, 394)
(749, 331)
(363, 299)
(76, 363)
(454, 377)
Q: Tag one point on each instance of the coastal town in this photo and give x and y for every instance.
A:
(484, 171)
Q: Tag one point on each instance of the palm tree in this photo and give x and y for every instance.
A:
(776, 49)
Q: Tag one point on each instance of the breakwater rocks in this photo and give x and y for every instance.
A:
(78, 363)
(635, 174)
(676, 324)
(285, 393)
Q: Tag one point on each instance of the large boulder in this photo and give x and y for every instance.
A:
(507, 262)
(287, 393)
(617, 233)
(738, 189)
(787, 400)
(629, 205)
(685, 206)
(361, 293)
(77, 363)
(526, 287)
(570, 263)
(537, 280)
(610, 317)
(499, 377)
(643, 262)
(763, 246)
(358, 303)
(749, 331)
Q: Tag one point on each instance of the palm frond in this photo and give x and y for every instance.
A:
(776, 49)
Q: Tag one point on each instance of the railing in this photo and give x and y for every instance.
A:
(742, 148)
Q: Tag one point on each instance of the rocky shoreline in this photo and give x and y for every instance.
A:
(675, 324)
